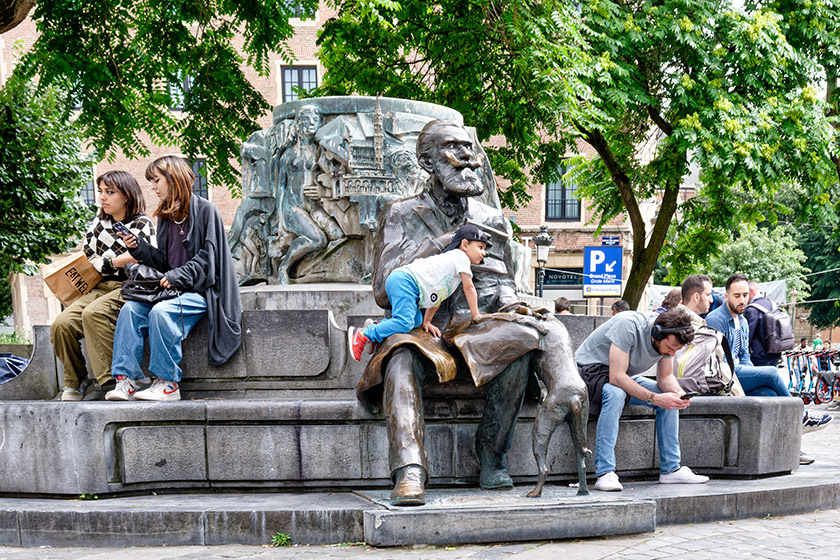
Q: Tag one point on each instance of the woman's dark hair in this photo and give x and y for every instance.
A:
(562, 304)
(673, 298)
(674, 318)
(127, 185)
(179, 181)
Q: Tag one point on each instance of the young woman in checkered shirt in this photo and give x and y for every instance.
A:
(94, 315)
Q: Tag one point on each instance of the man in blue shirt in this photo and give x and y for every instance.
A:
(757, 381)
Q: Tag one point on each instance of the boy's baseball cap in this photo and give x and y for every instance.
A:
(469, 232)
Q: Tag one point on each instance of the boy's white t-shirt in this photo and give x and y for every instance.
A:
(438, 276)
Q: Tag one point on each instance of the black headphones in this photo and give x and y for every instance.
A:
(658, 333)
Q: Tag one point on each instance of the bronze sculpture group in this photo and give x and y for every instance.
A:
(502, 350)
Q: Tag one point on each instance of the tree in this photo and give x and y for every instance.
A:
(764, 255)
(138, 56)
(42, 172)
(822, 247)
(676, 81)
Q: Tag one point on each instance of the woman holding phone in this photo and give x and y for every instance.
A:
(195, 260)
(94, 315)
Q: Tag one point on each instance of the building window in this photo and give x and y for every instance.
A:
(297, 78)
(89, 191)
(199, 167)
(560, 200)
(178, 89)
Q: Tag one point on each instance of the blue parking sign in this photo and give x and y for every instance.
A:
(602, 271)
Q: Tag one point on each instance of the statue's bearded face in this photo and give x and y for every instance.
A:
(455, 162)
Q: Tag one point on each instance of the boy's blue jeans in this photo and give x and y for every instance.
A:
(161, 323)
(404, 296)
(606, 432)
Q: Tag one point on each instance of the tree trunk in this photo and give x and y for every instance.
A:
(12, 12)
(646, 256)
(645, 252)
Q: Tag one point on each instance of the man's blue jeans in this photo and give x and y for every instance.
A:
(162, 324)
(761, 381)
(606, 433)
(404, 296)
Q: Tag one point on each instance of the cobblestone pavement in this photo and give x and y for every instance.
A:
(809, 536)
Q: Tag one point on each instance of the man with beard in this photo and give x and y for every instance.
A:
(757, 381)
(496, 352)
(611, 361)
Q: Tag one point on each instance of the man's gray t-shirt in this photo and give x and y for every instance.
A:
(630, 331)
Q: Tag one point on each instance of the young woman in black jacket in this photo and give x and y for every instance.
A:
(194, 256)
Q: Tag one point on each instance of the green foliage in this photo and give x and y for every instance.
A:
(823, 251)
(5, 299)
(132, 49)
(15, 338)
(511, 67)
(763, 255)
(651, 87)
(281, 539)
(42, 173)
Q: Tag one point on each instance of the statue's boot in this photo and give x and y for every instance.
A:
(494, 475)
(408, 490)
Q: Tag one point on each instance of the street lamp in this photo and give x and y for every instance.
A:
(543, 242)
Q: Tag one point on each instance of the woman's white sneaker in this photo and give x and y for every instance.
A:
(682, 475)
(608, 482)
(124, 391)
(160, 390)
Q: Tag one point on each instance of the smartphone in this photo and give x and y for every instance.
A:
(120, 228)
(688, 395)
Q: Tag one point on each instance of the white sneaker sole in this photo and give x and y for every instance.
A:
(139, 396)
(350, 332)
(110, 396)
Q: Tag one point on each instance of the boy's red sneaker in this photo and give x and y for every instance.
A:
(356, 342)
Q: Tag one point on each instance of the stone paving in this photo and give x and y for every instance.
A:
(810, 536)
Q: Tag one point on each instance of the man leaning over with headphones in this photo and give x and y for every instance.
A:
(611, 361)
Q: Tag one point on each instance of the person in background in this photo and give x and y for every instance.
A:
(619, 306)
(562, 306)
(757, 381)
(195, 259)
(755, 319)
(94, 315)
(673, 299)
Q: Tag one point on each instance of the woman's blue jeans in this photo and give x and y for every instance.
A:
(404, 296)
(606, 432)
(162, 324)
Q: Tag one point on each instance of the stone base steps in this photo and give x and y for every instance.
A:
(450, 515)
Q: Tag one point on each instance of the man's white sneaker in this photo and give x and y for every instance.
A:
(682, 475)
(160, 390)
(124, 391)
(608, 482)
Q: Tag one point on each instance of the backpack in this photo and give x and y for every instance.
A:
(778, 329)
(700, 368)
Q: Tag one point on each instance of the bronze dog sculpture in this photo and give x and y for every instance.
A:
(565, 399)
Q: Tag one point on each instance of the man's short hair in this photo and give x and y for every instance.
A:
(673, 298)
(562, 304)
(737, 277)
(694, 284)
(675, 318)
(620, 306)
